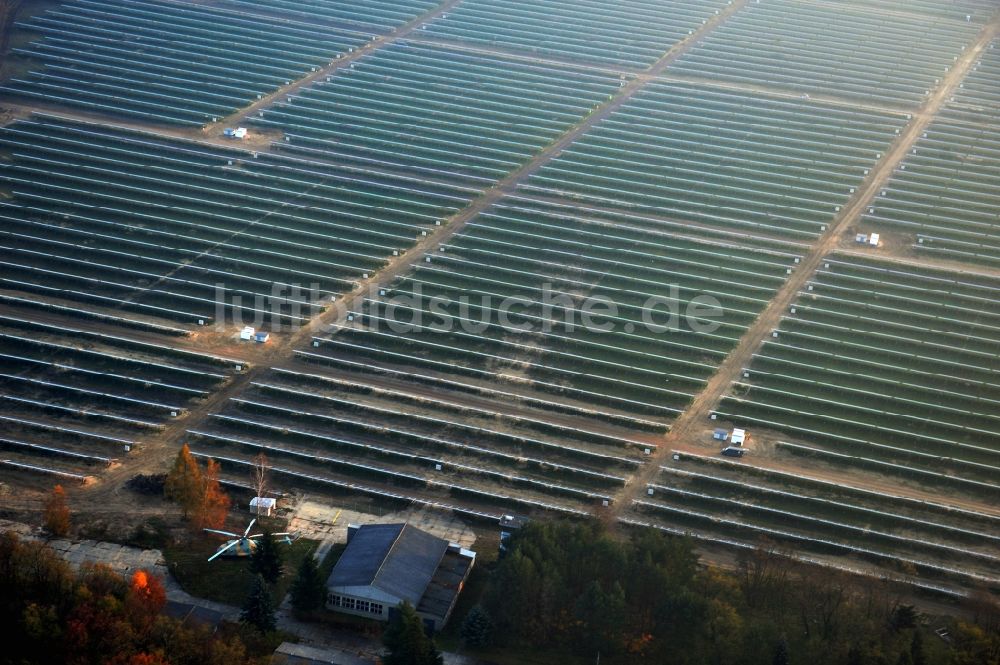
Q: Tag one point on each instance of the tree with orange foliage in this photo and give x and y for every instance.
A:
(213, 505)
(57, 512)
(146, 598)
(184, 483)
(148, 659)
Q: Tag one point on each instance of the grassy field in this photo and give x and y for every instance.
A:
(227, 579)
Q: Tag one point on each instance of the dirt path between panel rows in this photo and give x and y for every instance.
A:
(849, 480)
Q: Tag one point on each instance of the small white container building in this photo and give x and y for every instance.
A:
(738, 437)
(871, 240)
(239, 133)
(247, 333)
(264, 506)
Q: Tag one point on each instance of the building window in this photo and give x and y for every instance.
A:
(365, 606)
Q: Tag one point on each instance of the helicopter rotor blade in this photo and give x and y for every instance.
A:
(222, 551)
(223, 533)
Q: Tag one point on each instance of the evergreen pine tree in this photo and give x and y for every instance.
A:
(407, 642)
(598, 615)
(917, 653)
(258, 610)
(266, 558)
(904, 617)
(477, 628)
(855, 656)
(309, 588)
(781, 652)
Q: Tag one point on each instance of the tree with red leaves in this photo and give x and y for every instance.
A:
(213, 504)
(57, 512)
(146, 598)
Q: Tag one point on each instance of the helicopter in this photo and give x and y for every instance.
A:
(245, 545)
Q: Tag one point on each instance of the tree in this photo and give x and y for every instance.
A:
(212, 502)
(141, 659)
(146, 597)
(763, 571)
(904, 617)
(406, 640)
(598, 617)
(781, 652)
(513, 595)
(477, 628)
(266, 558)
(917, 653)
(260, 467)
(184, 483)
(258, 610)
(309, 588)
(974, 646)
(57, 512)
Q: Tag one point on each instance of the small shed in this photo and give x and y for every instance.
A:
(508, 525)
(237, 133)
(738, 437)
(247, 333)
(861, 238)
(262, 337)
(260, 505)
(873, 240)
(720, 434)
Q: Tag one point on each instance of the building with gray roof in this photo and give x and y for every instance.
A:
(385, 564)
